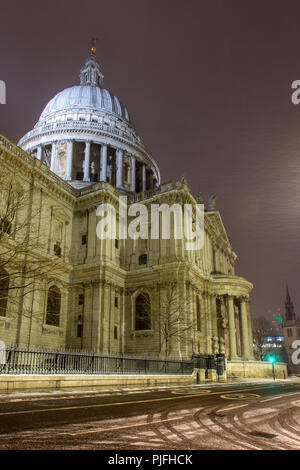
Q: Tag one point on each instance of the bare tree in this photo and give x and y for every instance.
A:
(25, 260)
(175, 316)
(261, 328)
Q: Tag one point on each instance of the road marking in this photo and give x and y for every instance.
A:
(239, 396)
(269, 399)
(232, 407)
(192, 392)
(296, 403)
(102, 405)
(128, 426)
(282, 396)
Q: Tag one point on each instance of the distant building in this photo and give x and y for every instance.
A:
(268, 338)
(291, 331)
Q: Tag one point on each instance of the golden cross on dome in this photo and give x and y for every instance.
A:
(93, 46)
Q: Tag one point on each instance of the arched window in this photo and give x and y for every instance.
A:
(143, 312)
(198, 311)
(53, 306)
(4, 285)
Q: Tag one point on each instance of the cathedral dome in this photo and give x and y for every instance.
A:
(85, 97)
(85, 135)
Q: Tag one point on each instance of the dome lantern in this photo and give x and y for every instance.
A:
(90, 74)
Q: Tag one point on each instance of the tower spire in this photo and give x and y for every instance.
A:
(289, 306)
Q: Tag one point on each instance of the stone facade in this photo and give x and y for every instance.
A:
(103, 278)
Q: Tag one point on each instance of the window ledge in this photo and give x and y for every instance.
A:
(4, 322)
(52, 330)
(142, 333)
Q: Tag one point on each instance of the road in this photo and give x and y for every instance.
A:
(223, 416)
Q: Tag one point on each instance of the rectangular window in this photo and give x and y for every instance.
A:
(116, 243)
(79, 331)
(116, 301)
(57, 250)
(5, 226)
(142, 259)
(115, 332)
(83, 239)
(81, 299)
(290, 332)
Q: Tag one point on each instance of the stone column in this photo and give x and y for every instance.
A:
(232, 332)
(122, 321)
(119, 168)
(245, 333)
(69, 160)
(103, 162)
(144, 178)
(105, 316)
(251, 354)
(188, 320)
(87, 316)
(133, 174)
(214, 324)
(91, 226)
(86, 175)
(209, 325)
(101, 330)
(39, 152)
(53, 155)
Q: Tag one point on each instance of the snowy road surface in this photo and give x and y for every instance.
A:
(262, 415)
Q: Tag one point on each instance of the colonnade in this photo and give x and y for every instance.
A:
(246, 334)
(103, 164)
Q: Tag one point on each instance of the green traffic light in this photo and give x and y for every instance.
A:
(271, 359)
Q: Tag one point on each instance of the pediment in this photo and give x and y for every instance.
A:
(218, 226)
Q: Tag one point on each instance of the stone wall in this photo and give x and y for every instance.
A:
(255, 369)
(10, 383)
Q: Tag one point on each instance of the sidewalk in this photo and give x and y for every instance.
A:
(90, 390)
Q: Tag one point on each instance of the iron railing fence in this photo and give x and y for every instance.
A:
(210, 362)
(18, 360)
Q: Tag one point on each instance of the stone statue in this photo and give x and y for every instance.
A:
(60, 162)
(47, 159)
(211, 202)
(183, 180)
(200, 198)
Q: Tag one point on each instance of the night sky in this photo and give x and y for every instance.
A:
(208, 84)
